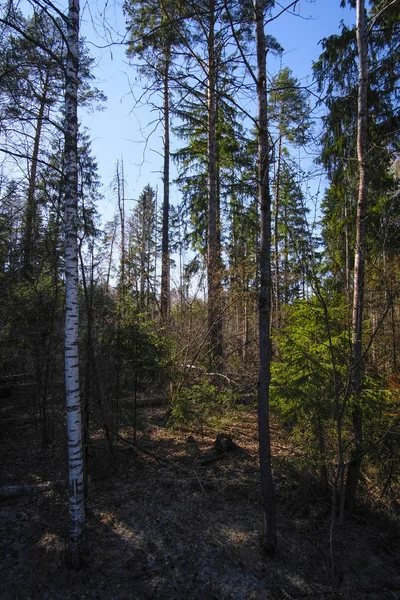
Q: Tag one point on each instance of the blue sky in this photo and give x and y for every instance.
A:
(120, 130)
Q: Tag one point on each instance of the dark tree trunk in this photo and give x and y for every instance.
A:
(31, 208)
(121, 209)
(87, 388)
(213, 254)
(165, 285)
(276, 234)
(267, 485)
(353, 473)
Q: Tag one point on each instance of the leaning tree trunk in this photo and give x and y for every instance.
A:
(77, 529)
(359, 262)
(31, 209)
(267, 485)
(213, 255)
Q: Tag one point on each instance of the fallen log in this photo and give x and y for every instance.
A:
(25, 489)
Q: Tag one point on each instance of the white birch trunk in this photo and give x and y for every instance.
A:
(77, 530)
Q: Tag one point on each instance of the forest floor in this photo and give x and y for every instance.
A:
(172, 522)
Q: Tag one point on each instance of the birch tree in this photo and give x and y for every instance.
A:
(77, 529)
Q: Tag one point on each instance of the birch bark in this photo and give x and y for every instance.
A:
(77, 530)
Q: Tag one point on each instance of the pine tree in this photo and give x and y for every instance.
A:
(30, 103)
(289, 113)
(265, 349)
(155, 32)
(34, 55)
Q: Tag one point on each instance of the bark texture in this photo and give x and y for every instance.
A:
(359, 262)
(267, 485)
(276, 233)
(31, 208)
(213, 249)
(165, 302)
(77, 529)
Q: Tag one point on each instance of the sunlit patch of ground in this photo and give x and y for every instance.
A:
(166, 521)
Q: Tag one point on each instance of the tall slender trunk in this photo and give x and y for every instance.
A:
(88, 376)
(276, 233)
(77, 528)
(121, 209)
(165, 284)
(267, 485)
(45, 405)
(245, 294)
(286, 278)
(213, 258)
(121, 304)
(155, 306)
(92, 378)
(359, 262)
(31, 209)
(110, 260)
(394, 345)
(347, 251)
(143, 275)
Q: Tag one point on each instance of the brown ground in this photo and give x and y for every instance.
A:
(175, 528)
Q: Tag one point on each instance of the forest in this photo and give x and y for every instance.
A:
(200, 396)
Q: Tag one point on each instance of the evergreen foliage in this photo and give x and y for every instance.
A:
(198, 404)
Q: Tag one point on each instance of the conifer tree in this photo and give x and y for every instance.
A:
(362, 127)
(141, 265)
(209, 124)
(289, 113)
(31, 87)
(155, 33)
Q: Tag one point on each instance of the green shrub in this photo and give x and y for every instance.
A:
(302, 384)
(198, 404)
